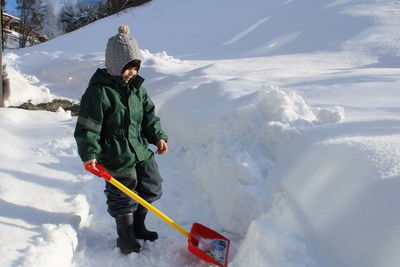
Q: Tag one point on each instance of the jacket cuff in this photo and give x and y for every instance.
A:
(88, 157)
(161, 136)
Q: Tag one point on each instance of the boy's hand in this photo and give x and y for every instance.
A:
(162, 147)
(91, 162)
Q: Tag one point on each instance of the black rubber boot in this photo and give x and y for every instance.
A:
(139, 228)
(126, 239)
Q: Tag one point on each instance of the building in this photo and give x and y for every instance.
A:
(12, 29)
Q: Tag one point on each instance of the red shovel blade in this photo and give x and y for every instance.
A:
(208, 245)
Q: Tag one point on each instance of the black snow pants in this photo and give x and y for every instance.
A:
(145, 180)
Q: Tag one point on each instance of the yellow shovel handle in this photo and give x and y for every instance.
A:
(101, 172)
(150, 207)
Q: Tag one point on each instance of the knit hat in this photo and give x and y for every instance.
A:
(121, 49)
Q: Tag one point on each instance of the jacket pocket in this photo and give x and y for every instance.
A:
(116, 155)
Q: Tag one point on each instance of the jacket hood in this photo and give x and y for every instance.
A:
(103, 78)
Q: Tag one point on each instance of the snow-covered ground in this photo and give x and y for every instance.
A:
(283, 118)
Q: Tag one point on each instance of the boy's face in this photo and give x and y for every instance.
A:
(129, 74)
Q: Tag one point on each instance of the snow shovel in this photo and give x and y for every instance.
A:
(203, 242)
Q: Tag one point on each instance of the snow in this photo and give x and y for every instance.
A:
(284, 136)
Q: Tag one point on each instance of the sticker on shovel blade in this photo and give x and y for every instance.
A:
(215, 248)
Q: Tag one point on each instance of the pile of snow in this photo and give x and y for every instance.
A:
(28, 90)
(44, 251)
(32, 74)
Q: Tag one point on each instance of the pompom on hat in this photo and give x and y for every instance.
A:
(121, 49)
(124, 29)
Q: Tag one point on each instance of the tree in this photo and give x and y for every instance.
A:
(67, 16)
(74, 16)
(115, 6)
(50, 26)
(32, 18)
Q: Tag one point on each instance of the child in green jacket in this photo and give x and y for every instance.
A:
(115, 125)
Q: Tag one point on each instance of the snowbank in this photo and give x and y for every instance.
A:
(45, 250)
(265, 28)
(331, 192)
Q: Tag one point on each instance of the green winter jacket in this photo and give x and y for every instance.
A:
(116, 123)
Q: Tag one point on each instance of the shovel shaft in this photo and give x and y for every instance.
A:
(101, 172)
(150, 207)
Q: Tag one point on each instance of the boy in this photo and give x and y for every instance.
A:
(116, 123)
